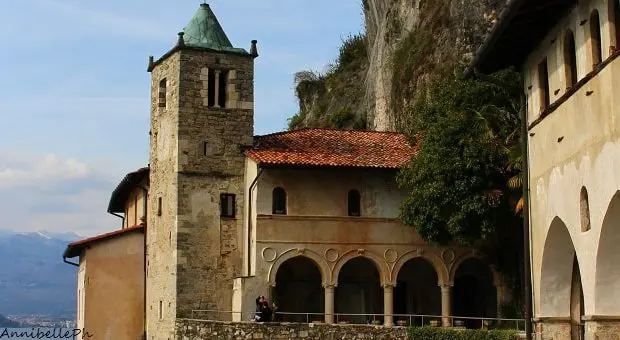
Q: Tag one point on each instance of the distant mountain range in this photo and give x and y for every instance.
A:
(33, 277)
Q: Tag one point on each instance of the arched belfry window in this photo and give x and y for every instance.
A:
(595, 39)
(570, 59)
(217, 81)
(279, 201)
(354, 203)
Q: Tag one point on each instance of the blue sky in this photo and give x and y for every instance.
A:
(75, 92)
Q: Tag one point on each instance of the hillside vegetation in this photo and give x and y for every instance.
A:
(332, 99)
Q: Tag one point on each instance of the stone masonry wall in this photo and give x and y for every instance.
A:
(161, 228)
(603, 330)
(213, 330)
(211, 162)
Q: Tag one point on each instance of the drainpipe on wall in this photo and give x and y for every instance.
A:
(527, 284)
(145, 211)
(64, 259)
(249, 259)
(526, 221)
(121, 217)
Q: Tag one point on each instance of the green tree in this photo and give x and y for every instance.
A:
(458, 184)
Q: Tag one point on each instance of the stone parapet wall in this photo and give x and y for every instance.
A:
(214, 330)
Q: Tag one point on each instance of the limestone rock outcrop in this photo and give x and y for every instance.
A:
(450, 31)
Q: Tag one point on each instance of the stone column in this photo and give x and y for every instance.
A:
(388, 304)
(499, 290)
(446, 304)
(329, 303)
(216, 100)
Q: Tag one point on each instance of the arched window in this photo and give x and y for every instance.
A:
(584, 206)
(354, 203)
(279, 201)
(570, 59)
(595, 39)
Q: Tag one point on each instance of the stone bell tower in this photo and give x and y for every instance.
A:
(202, 116)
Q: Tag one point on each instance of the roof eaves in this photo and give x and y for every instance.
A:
(235, 51)
(511, 10)
(118, 197)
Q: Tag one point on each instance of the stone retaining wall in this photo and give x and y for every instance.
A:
(216, 330)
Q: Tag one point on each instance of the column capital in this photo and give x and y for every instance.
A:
(446, 285)
(329, 285)
(388, 285)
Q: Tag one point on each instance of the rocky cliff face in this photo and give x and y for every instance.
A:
(407, 41)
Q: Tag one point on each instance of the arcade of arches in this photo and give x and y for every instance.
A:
(360, 293)
(577, 288)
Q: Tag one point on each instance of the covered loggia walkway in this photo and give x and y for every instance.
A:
(361, 289)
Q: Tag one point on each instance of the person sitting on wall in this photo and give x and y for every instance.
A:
(258, 315)
(265, 311)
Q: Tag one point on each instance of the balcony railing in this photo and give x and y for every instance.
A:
(415, 320)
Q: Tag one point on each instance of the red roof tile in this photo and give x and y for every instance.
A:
(74, 248)
(330, 147)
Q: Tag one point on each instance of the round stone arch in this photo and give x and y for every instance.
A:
(318, 260)
(434, 260)
(607, 285)
(556, 271)
(376, 259)
(464, 257)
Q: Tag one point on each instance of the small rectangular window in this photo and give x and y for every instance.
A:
(543, 84)
(159, 206)
(161, 310)
(205, 149)
(162, 93)
(227, 205)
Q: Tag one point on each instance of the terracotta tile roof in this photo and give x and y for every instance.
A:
(331, 147)
(75, 248)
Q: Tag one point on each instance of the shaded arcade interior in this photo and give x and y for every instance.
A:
(360, 298)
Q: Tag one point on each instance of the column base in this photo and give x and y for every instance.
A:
(552, 328)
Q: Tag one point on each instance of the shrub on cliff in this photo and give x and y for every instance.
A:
(433, 333)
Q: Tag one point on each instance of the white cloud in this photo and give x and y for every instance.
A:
(18, 170)
(58, 194)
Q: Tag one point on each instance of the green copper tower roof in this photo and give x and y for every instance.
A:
(205, 31)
